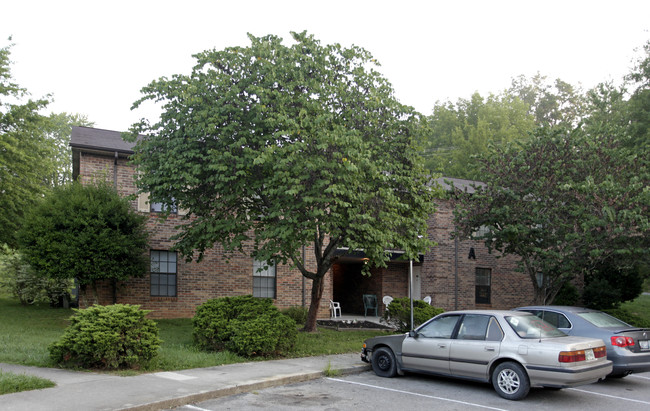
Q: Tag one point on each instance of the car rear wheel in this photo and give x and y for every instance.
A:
(383, 362)
(510, 381)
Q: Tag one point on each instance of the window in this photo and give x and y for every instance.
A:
(602, 320)
(263, 279)
(159, 207)
(473, 327)
(163, 273)
(441, 327)
(483, 283)
(557, 319)
(494, 331)
(481, 232)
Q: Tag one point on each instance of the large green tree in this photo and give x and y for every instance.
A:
(639, 102)
(57, 130)
(551, 102)
(89, 233)
(566, 202)
(34, 150)
(459, 132)
(286, 146)
(25, 152)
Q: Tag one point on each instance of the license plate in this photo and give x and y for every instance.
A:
(644, 344)
(589, 355)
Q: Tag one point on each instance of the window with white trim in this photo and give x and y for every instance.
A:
(263, 279)
(163, 273)
(160, 207)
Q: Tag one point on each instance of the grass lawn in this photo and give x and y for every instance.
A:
(28, 330)
(640, 306)
(10, 382)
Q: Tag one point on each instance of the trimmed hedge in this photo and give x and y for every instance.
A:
(398, 314)
(107, 337)
(245, 325)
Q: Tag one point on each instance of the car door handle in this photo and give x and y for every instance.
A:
(489, 348)
(442, 345)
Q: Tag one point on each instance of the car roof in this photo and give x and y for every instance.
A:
(565, 308)
(486, 312)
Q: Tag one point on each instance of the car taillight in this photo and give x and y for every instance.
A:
(572, 356)
(600, 352)
(622, 341)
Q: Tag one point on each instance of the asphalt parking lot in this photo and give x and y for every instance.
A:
(366, 391)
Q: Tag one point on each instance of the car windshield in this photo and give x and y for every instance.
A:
(530, 326)
(602, 320)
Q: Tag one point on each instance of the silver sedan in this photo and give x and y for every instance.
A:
(512, 350)
(628, 347)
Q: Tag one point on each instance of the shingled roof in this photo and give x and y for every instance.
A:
(97, 139)
(451, 184)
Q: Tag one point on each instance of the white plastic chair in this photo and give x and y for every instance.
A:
(334, 309)
(427, 299)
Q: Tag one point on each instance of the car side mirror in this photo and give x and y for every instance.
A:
(413, 334)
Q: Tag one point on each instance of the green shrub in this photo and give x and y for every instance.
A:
(107, 337)
(18, 277)
(398, 314)
(245, 325)
(298, 314)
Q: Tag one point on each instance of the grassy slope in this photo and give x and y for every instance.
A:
(28, 330)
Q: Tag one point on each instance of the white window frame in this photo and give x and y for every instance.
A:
(264, 279)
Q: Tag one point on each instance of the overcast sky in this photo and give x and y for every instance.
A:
(95, 56)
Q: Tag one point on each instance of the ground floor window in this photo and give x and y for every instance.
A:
(263, 279)
(163, 273)
(483, 285)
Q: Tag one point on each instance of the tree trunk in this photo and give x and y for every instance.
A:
(317, 287)
(540, 295)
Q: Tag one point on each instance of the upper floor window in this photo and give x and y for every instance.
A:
(160, 207)
(481, 232)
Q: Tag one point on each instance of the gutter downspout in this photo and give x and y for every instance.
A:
(455, 273)
(114, 282)
(115, 171)
(303, 277)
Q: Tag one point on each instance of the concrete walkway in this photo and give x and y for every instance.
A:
(94, 391)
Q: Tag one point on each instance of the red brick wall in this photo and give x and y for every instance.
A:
(449, 264)
(219, 274)
(447, 274)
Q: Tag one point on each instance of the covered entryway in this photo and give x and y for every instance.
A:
(349, 284)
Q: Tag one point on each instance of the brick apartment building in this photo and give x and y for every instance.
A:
(456, 274)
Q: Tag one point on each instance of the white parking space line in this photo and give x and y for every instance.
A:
(416, 394)
(639, 376)
(193, 407)
(610, 396)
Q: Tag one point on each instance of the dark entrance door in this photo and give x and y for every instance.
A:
(349, 285)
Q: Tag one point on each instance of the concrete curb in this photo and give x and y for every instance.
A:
(241, 388)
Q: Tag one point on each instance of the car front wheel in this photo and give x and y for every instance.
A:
(510, 381)
(383, 362)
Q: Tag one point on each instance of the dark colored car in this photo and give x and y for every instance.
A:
(512, 350)
(628, 347)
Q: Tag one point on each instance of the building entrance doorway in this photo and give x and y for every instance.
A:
(349, 285)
